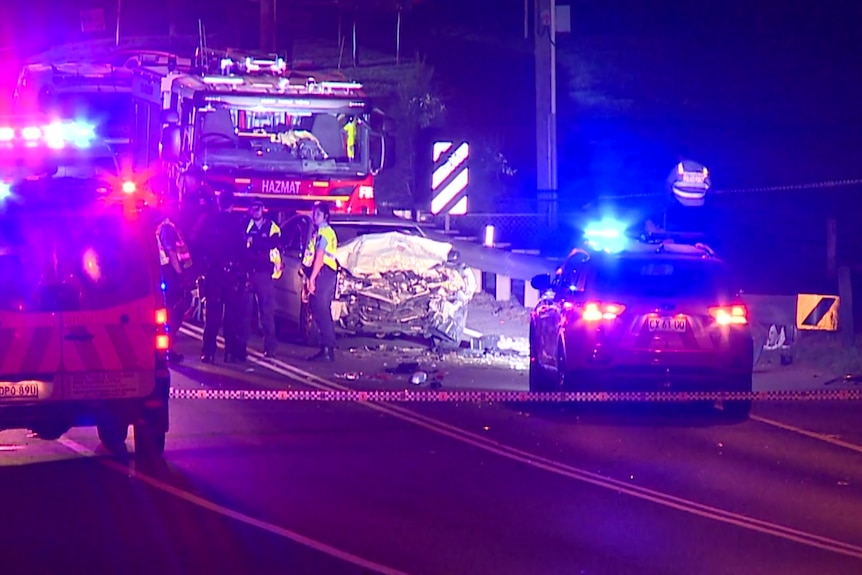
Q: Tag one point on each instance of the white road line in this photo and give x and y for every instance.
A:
(812, 434)
(232, 514)
(536, 461)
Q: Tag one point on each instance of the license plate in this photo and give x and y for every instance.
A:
(11, 391)
(667, 324)
(281, 187)
(694, 178)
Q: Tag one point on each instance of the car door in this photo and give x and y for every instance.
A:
(564, 287)
(288, 289)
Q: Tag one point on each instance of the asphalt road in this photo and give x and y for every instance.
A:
(337, 487)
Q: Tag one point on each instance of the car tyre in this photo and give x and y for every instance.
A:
(539, 380)
(308, 332)
(738, 410)
(113, 435)
(149, 441)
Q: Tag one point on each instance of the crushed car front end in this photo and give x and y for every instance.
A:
(396, 284)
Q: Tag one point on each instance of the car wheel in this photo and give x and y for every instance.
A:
(50, 432)
(308, 333)
(539, 380)
(737, 410)
(149, 442)
(113, 436)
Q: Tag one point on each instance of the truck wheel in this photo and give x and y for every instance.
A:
(113, 436)
(149, 442)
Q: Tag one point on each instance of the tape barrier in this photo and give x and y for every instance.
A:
(464, 396)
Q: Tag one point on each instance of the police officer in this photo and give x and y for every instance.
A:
(176, 264)
(263, 262)
(320, 268)
(223, 244)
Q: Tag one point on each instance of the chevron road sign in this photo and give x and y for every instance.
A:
(450, 178)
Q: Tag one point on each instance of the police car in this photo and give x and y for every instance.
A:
(83, 340)
(654, 313)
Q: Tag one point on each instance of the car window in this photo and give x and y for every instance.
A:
(73, 262)
(656, 277)
(295, 236)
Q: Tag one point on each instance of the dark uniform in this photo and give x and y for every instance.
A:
(263, 237)
(176, 263)
(223, 245)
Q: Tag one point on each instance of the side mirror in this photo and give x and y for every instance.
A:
(170, 117)
(171, 144)
(541, 282)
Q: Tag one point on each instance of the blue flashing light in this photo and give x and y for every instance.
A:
(5, 191)
(164, 286)
(607, 235)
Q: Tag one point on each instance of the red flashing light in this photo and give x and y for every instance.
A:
(598, 311)
(163, 342)
(161, 316)
(729, 315)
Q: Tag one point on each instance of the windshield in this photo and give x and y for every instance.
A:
(666, 278)
(281, 139)
(73, 261)
(110, 112)
(94, 163)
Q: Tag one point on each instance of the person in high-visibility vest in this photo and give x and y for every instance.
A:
(350, 137)
(176, 264)
(320, 269)
(264, 265)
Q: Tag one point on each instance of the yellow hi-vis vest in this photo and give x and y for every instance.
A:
(350, 131)
(274, 253)
(329, 254)
(183, 254)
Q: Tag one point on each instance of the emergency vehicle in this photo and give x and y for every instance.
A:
(97, 91)
(83, 337)
(656, 312)
(249, 124)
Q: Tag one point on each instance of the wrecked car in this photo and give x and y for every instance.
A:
(396, 284)
(392, 281)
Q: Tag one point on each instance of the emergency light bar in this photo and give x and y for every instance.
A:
(54, 135)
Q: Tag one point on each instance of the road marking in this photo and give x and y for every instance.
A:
(232, 514)
(559, 468)
(807, 433)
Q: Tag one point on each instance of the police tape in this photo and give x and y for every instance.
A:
(469, 396)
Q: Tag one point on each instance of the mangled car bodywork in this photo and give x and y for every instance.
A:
(394, 284)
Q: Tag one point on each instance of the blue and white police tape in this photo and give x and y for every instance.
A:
(469, 396)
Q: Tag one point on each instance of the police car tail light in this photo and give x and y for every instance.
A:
(729, 314)
(163, 342)
(161, 316)
(598, 311)
(7, 134)
(129, 187)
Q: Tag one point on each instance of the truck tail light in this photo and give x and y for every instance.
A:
(163, 342)
(729, 314)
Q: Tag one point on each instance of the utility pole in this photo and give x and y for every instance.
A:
(544, 38)
(267, 26)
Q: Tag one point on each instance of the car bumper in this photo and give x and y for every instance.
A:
(83, 413)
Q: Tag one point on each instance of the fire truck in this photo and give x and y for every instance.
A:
(250, 125)
(97, 92)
